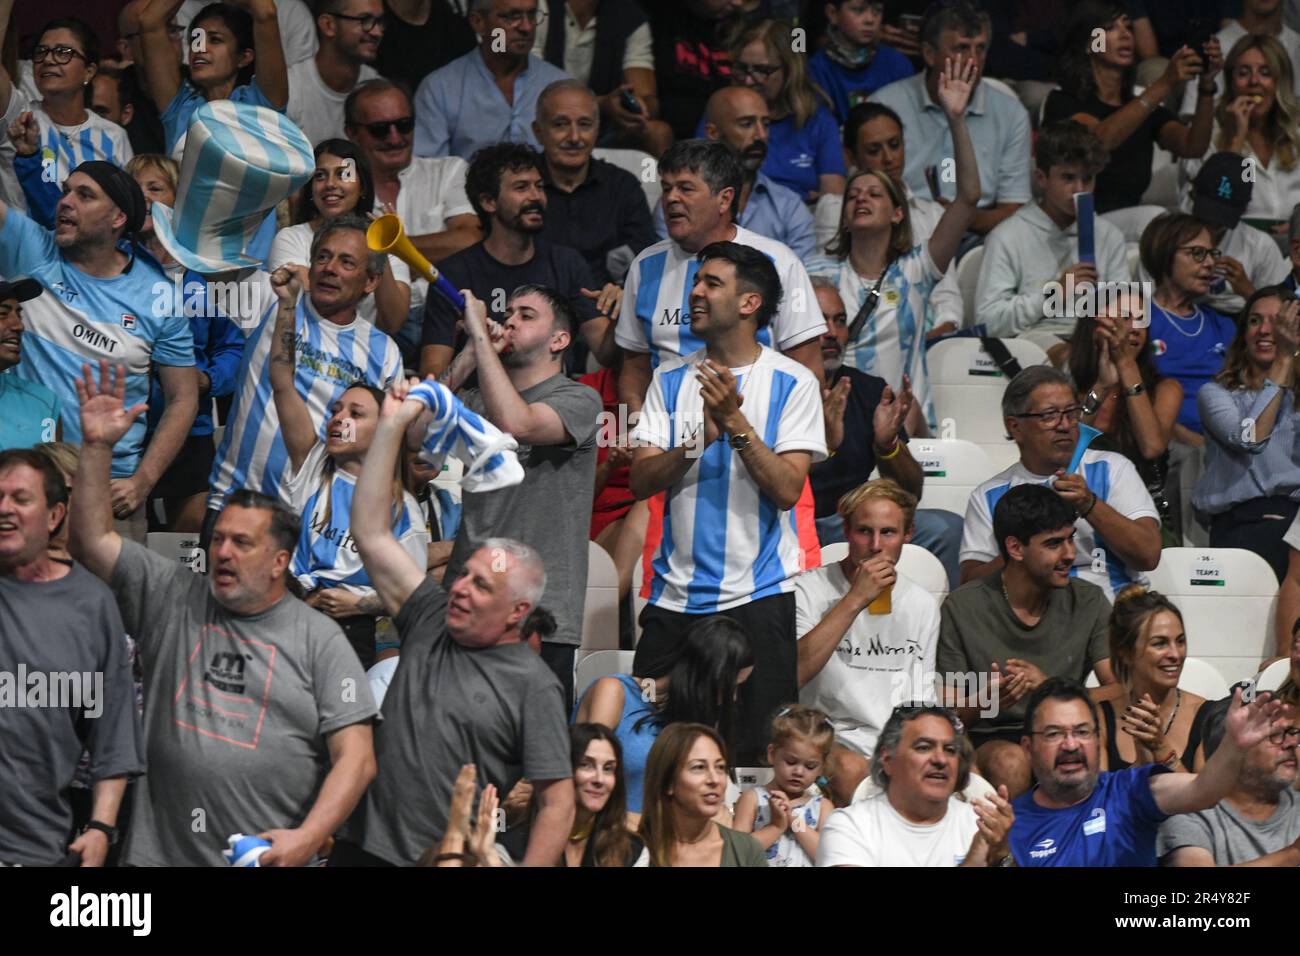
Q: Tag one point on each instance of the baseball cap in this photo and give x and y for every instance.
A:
(1221, 191)
(22, 289)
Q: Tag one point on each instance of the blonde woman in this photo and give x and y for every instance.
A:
(803, 147)
(1256, 118)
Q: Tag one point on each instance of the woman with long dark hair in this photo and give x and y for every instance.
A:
(685, 785)
(1122, 394)
(1251, 413)
(697, 684)
(1097, 90)
(342, 183)
(600, 836)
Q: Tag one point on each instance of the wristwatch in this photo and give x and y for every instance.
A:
(740, 442)
(111, 832)
(1137, 389)
(1091, 403)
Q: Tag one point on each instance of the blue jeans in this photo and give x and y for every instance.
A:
(934, 529)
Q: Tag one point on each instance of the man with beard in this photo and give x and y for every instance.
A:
(1257, 824)
(1002, 635)
(1077, 816)
(739, 117)
(522, 389)
(349, 32)
(259, 716)
(505, 186)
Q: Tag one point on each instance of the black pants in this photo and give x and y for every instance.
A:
(769, 622)
(346, 853)
(1257, 526)
(360, 632)
(559, 658)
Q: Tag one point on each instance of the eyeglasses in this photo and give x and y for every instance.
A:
(1052, 417)
(519, 16)
(379, 130)
(1198, 253)
(60, 54)
(1054, 735)
(760, 70)
(1290, 735)
(369, 21)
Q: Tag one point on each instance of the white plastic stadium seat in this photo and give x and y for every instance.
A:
(968, 278)
(1272, 676)
(600, 664)
(637, 163)
(1228, 597)
(916, 564)
(1133, 256)
(1132, 220)
(600, 612)
(178, 546)
(1202, 678)
(967, 388)
(953, 467)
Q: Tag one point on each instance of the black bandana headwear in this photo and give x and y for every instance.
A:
(121, 188)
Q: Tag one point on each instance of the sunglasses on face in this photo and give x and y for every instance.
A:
(380, 129)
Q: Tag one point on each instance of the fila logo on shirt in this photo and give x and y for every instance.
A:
(128, 322)
(1096, 823)
(1043, 849)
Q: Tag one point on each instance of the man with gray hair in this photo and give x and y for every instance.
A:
(468, 690)
(916, 819)
(1117, 534)
(335, 348)
(998, 123)
(591, 205)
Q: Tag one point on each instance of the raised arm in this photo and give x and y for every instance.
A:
(1245, 726)
(6, 81)
(295, 420)
(162, 72)
(392, 571)
(104, 420)
(272, 73)
(956, 83)
(1191, 140)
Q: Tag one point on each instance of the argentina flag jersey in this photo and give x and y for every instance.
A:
(328, 358)
(724, 542)
(80, 319)
(67, 147)
(656, 316)
(327, 555)
(1110, 476)
(891, 343)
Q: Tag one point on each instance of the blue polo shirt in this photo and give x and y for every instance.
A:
(796, 156)
(999, 131)
(1115, 826)
(847, 87)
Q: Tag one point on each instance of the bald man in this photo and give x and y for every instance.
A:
(738, 117)
(591, 205)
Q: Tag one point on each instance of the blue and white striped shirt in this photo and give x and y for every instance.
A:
(70, 146)
(329, 358)
(724, 542)
(1110, 476)
(656, 312)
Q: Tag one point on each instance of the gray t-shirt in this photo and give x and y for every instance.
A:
(497, 707)
(237, 709)
(1230, 837)
(551, 508)
(977, 627)
(66, 637)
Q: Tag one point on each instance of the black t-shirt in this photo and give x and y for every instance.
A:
(558, 267)
(410, 52)
(1127, 175)
(690, 63)
(607, 211)
(855, 459)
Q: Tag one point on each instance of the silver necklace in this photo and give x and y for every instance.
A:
(1174, 320)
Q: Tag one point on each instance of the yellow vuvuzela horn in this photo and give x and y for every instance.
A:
(387, 235)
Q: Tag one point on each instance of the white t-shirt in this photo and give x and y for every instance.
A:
(656, 317)
(1275, 190)
(882, 660)
(580, 44)
(1229, 35)
(1110, 476)
(872, 833)
(432, 190)
(724, 542)
(292, 246)
(316, 108)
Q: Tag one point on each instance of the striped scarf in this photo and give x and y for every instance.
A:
(487, 452)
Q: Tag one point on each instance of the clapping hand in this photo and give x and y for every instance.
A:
(890, 414)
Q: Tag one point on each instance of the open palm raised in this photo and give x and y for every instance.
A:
(104, 415)
(956, 84)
